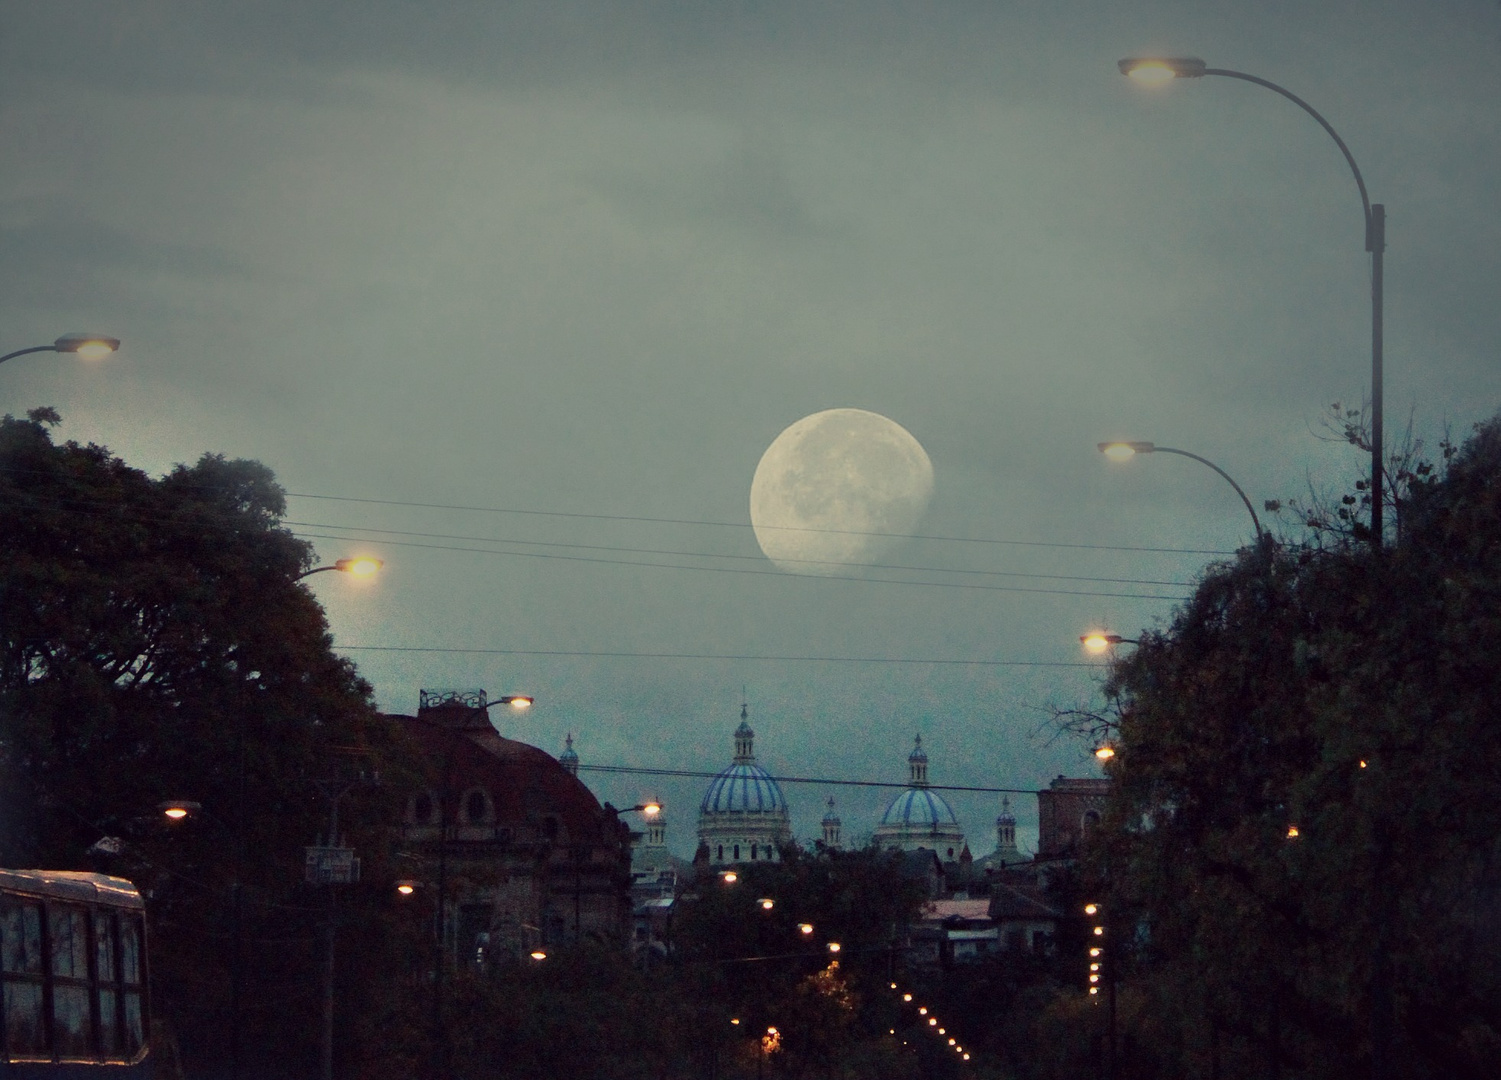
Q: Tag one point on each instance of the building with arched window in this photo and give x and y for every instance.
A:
(919, 817)
(526, 855)
(743, 817)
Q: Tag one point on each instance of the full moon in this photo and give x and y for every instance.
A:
(838, 487)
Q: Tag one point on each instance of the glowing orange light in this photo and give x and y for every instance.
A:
(1151, 73)
(1090, 909)
(1105, 753)
(538, 954)
(406, 888)
(833, 946)
(767, 903)
(1099, 931)
(730, 877)
(922, 1010)
(176, 813)
(1292, 832)
(1095, 643)
(805, 928)
(906, 997)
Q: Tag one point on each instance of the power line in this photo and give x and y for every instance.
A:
(742, 570)
(714, 555)
(699, 774)
(748, 525)
(605, 654)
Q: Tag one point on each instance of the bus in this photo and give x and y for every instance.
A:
(73, 980)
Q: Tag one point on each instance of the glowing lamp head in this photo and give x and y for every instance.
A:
(906, 997)
(1094, 978)
(1094, 989)
(1105, 753)
(922, 1010)
(834, 946)
(729, 877)
(767, 903)
(952, 1041)
(539, 954)
(1125, 451)
(735, 1020)
(361, 566)
(1090, 909)
(521, 701)
(178, 809)
(406, 888)
(1292, 832)
(1097, 642)
(87, 346)
(1096, 951)
(805, 928)
(1156, 70)
(1099, 931)
(932, 1022)
(652, 809)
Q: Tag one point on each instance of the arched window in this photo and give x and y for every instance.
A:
(422, 808)
(951, 853)
(720, 857)
(737, 852)
(753, 853)
(476, 807)
(1091, 821)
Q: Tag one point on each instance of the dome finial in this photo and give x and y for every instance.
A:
(569, 758)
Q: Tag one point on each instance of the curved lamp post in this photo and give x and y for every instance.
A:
(1124, 451)
(86, 346)
(360, 566)
(1156, 70)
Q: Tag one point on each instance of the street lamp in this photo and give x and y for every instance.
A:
(1160, 70)
(85, 346)
(1097, 642)
(1125, 451)
(361, 566)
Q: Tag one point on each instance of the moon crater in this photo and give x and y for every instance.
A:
(836, 488)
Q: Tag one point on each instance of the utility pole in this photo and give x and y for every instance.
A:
(332, 864)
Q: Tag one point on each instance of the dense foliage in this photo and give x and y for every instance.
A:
(1306, 826)
(155, 644)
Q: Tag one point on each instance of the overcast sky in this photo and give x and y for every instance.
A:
(576, 265)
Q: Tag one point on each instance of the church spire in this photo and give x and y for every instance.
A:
(745, 740)
(831, 827)
(569, 759)
(917, 762)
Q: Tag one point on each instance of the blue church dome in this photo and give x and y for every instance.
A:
(743, 788)
(919, 807)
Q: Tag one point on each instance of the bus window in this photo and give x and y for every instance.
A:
(21, 961)
(131, 933)
(107, 972)
(72, 1026)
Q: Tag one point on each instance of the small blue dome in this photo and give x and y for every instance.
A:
(743, 788)
(921, 807)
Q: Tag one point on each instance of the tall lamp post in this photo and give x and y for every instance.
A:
(440, 1048)
(1156, 70)
(1125, 451)
(85, 346)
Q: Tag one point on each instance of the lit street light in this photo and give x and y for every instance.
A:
(1125, 451)
(1097, 641)
(1160, 70)
(361, 566)
(84, 346)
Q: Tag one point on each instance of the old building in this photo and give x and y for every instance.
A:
(743, 817)
(920, 817)
(518, 851)
(1066, 811)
